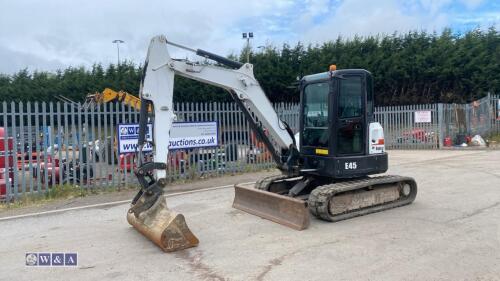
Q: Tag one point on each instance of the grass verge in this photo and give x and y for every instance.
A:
(495, 138)
(57, 192)
(64, 192)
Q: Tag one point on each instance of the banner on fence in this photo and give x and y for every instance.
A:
(128, 135)
(183, 135)
(193, 135)
(423, 116)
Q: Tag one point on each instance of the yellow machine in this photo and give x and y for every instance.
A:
(109, 95)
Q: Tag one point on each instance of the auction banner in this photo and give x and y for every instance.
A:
(193, 135)
(128, 136)
(183, 135)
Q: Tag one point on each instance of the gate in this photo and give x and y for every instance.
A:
(410, 126)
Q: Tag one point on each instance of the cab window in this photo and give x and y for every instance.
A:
(315, 115)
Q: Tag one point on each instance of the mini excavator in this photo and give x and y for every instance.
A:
(331, 168)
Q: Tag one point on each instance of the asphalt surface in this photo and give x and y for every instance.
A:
(128, 194)
(450, 232)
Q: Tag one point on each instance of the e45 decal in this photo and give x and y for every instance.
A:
(350, 165)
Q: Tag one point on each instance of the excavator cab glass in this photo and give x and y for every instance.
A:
(350, 97)
(315, 114)
(337, 108)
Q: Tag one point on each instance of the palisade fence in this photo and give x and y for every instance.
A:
(47, 144)
(454, 122)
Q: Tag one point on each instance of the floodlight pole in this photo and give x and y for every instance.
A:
(247, 36)
(118, 42)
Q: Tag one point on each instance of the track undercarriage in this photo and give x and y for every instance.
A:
(288, 200)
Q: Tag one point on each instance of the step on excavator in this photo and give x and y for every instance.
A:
(328, 169)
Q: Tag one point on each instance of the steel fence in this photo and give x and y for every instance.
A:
(43, 145)
(481, 117)
(495, 110)
(47, 144)
(404, 130)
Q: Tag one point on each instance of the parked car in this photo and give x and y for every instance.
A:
(65, 170)
(416, 136)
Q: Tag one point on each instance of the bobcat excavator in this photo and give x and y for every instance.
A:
(325, 168)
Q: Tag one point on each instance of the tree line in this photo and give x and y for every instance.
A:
(409, 68)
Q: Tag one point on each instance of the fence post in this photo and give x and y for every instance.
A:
(5, 153)
(440, 125)
(491, 116)
(22, 147)
(467, 118)
(13, 151)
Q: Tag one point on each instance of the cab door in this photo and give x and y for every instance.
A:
(315, 124)
(350, 124)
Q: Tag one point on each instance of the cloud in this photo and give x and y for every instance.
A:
(434, 6)
(358, 17)
(472, 4)
(57, 33)
(14, 60)
(80, 32)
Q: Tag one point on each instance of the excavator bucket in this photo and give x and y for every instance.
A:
(284, 210)
(164, 227)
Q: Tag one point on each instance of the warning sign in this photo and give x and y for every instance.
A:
(423, 116)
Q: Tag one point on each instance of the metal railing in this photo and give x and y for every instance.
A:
(403, 130)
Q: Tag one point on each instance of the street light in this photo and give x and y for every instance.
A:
(247, 37)
(118, 42)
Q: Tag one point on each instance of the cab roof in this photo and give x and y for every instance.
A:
(325, 75)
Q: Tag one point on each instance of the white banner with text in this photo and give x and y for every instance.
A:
(183, 135)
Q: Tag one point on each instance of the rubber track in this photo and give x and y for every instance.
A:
(264, 183)
(320, 196)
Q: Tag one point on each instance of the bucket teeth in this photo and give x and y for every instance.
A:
(282, 209)
(162, 226)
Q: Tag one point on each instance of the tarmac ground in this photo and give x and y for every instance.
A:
(450, 232)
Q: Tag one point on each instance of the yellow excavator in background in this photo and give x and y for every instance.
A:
(108, 95)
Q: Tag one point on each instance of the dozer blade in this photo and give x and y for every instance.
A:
(164, 227)
(284, 210)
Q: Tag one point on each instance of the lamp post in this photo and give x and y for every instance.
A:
(118, 42)
(247, 36)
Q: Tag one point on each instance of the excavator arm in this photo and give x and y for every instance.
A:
(148, 212)
(157, 90)
(109, 95)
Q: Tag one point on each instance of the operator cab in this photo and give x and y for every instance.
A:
(337, 109)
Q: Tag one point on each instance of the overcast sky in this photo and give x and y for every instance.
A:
(52, 34)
